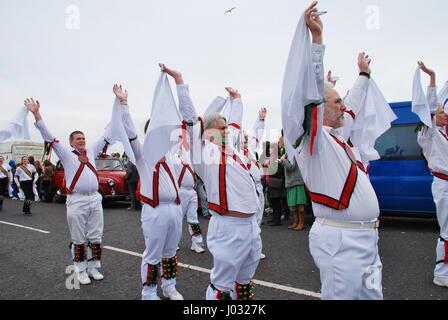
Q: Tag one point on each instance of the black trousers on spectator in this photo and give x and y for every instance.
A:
(134, 202)
(277, 207)
(46, 186)
(3, 190)
(4, 187)
(27, 188)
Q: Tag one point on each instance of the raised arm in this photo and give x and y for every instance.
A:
(128, 124)
(186, 107)
(258, 130)
(34, 107)
(355, 97)
(315, 25)
(432, 89)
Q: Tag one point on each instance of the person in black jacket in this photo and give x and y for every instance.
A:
(132, 178)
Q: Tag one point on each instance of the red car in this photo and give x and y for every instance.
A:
(111, 173)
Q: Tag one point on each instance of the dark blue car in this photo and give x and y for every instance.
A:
(401, 178)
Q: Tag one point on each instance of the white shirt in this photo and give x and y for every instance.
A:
(7, 169)
(233, 191)
(434, 141)
(22, 175)
(88, 181)
(188, 180)
(166, 189)
(326, 171)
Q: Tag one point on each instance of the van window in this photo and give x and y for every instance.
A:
(399, 143)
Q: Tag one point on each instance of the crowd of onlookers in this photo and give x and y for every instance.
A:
(42, 175)
(285, 195)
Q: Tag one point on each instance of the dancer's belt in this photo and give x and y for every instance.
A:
(236, 214)
(349, 225)
(83, 193)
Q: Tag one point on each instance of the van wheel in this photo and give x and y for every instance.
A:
(58, 196)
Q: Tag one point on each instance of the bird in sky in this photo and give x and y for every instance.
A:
(230, 10)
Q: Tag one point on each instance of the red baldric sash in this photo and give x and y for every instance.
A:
(186, 167)
(84, 161)
(155, 185)
(222, 207)
(349, 187)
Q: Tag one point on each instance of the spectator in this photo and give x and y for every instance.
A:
(132, 178)
(275, 180)
(34, 193)
(46, 181)
(14, 190)
(296, 195)
(39, 171)
(202, 197)
(24, 178)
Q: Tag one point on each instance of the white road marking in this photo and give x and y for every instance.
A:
(25, 227)
(259, 282)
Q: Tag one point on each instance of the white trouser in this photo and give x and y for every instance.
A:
(440, 194)
(235, 244)
(349, 263)
(85, 222)
(36, 194)
(162, 230)
(261, 203)
(189, 202)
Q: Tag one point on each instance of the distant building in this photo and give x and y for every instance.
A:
(15, 150)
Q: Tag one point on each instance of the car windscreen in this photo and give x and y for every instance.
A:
(109, 164)
(399, 143)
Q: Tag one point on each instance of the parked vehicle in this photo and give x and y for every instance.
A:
(111, 173)
(401, 178)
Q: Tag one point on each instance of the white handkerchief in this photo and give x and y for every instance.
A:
(216, 106)
(371, 123)
(299, 86)
(442, 97)
(165, 126)
(420, 104)
(18, 127)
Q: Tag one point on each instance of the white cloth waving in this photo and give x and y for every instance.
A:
(299, 86)
(17, 128)
(371, 123)
(165, 126)
(442, 97)
(420, 104)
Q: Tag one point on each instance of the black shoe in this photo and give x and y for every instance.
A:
(274, 223)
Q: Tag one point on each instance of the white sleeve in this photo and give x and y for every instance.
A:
(129, 127)
(186, 107)
(432, 99)
(60, 151)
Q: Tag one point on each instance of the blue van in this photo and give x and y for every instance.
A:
(401, 178)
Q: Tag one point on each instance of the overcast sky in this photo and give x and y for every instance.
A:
(71, 70)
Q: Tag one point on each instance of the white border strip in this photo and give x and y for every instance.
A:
(259, 282)
(25, 227)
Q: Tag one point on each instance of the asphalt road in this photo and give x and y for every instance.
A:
(34, 263)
